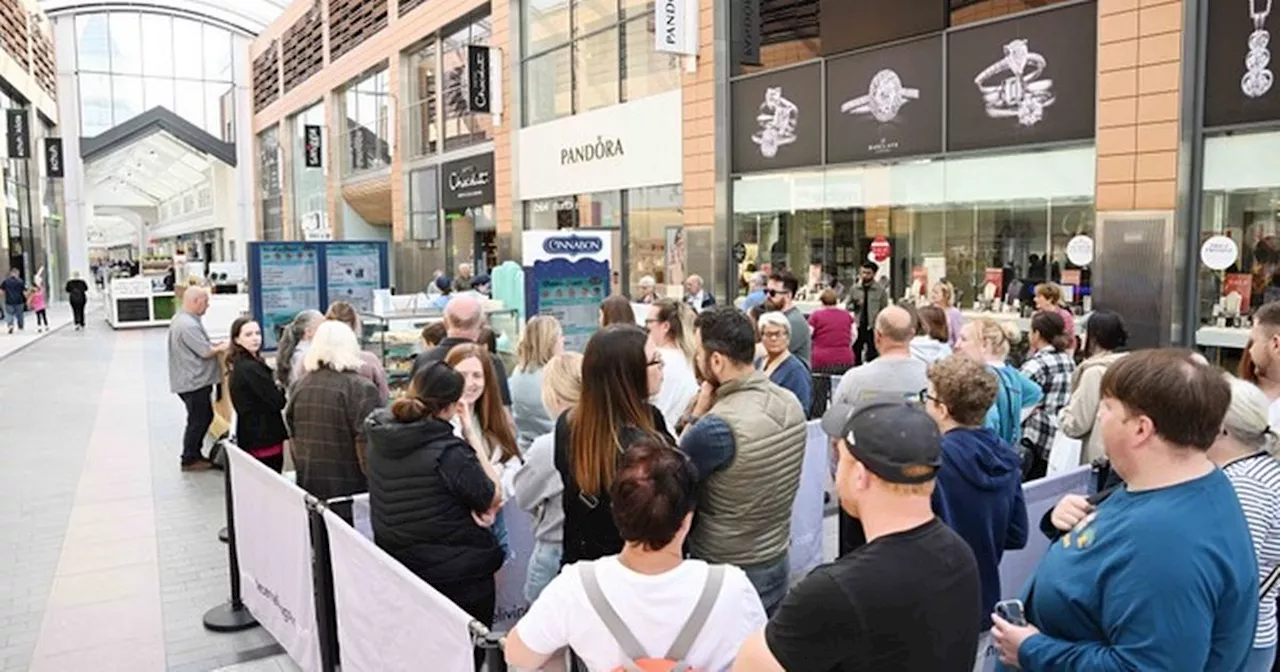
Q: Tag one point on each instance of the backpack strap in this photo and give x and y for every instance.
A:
(1270, 582)
(612, 622)
(701, 611)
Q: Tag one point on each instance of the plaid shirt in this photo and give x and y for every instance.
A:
(1051, 369)
(326, 414)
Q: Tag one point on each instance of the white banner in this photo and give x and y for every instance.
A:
(389, 619)
(273, 543)
(676, 27)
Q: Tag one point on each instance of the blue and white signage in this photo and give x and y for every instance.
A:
(567, 276)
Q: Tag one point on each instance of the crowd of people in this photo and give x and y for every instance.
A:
(660, 468)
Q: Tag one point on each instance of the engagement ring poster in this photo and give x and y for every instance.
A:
(777, 119)
(885, 102)
(1026, 80)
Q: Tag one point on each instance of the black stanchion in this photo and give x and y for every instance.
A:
(232, 615)
(322, 579)
(223, 535)
(495, 655)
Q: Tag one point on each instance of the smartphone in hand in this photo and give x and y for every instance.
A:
(1012, 611)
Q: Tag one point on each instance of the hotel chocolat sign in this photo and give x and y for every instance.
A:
(313, 148)
(53, 162)
(777, 119)
(1239, 74)
(853, 24)
(885, 103)
(1022, 81)
(468, 182)
(18, 125)
(479, 90)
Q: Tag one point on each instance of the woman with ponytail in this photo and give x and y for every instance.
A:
(987, 341)
(432, 495)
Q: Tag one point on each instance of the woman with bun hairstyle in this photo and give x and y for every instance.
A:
(1105, 338)
(432, 495)
(987, 341)
(257, 398)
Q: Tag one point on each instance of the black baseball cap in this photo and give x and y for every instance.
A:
(888, 437)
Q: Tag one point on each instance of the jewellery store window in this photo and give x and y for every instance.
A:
(959, 220)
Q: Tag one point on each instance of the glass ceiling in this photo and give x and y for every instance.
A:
(249, 16)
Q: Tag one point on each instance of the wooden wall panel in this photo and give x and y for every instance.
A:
(351, 22)
(266, 77)
(302, 48)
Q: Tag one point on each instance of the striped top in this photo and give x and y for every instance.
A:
(1256, 479)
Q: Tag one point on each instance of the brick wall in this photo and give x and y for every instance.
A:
(699, 93)
(1139, 67)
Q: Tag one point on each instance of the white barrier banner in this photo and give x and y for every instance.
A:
(806, 514)
(389, 619)
(273, 545)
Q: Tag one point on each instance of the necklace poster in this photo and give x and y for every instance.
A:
(1240, 85)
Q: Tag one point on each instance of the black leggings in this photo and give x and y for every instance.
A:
(77, 312)
(42, 319)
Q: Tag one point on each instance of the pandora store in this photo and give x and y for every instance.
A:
(963, 154)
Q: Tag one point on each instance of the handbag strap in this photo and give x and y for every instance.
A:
(1269, 583)
(627, 641)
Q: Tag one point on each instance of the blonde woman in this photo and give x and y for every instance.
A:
(326, 414)
(542, 340)
(987, 341)
(345, 313)
(1243, 451)
(671, 335)
(943, 296)
(538, 486)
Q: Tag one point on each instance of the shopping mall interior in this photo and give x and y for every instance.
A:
(290, 154)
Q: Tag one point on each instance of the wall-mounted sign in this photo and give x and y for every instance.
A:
(313, 145)
(1023, 80)
(18, 129)
(853, 24)
(53, 163)
(478, 79)
(745, 29)
(1079, 252)
(572, 245)
(1239, 76)
(777, 119)
(885, 102)
(467, 182)
(635, 144)
(1219, 252)
(675, 28)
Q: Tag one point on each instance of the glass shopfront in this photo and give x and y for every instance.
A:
(367, 120)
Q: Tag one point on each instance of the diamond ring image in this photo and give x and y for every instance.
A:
(777, 118)
(885, 97)
(1021, 94)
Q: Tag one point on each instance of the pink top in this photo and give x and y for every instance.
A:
(832, 337)
(1070, 321)
(37, 300)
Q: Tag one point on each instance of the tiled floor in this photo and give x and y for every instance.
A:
(108, 552)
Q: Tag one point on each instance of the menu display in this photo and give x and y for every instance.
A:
(288, 283)
(575, 302)
(354, 272)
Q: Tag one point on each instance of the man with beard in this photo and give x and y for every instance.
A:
(866, 299)
(747, 439)
(781, 295)
(1264, 350)
(909, 599)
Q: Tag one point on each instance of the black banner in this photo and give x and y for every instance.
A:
(467, 182)
(777, 119)
(853, 24)
(478, 89)
(53, 157)
(313, 145)
(1240, 85)
(745, 24)
(885, 102)
(1025, 80)
(18, 126)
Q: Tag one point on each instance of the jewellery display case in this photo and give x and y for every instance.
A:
(396, 337)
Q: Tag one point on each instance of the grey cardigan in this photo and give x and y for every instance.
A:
(538, 489)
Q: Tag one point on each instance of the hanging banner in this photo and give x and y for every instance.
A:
(478, 79)
(745, 36)
(18, 127)
(273, 545)
(53, 157)
(675, 27)
(389, 620)
(314, 145)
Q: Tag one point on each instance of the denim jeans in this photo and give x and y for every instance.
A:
(771, 581)
(544, 564)
(1260, 660)
(499, 530)
(13, 311)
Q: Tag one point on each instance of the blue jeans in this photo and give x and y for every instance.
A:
(771, 581)
(14, 311)
(499, 530)
(544, 564)
(1260, 660)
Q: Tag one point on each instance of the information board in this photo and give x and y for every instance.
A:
(354, 273)
(567, 277)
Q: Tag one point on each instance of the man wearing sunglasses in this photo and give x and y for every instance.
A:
(780, 295)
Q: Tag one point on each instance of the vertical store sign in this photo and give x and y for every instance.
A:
(18, 129)
(478, 79)
(53, 157)
(313, 137)
(745, 24)
(675, 27)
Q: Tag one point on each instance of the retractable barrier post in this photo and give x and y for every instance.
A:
(493, 644)
(322, 577)
(230, 616)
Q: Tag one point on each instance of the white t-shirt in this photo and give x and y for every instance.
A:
(679, 387)
(1273, 415)
(653, 607)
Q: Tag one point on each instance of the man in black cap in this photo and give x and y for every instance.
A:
(907, 600)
